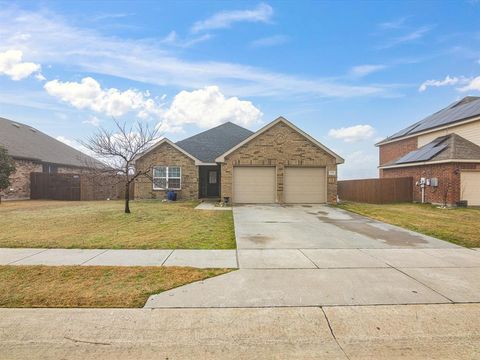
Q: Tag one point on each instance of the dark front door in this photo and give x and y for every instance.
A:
(209, 181)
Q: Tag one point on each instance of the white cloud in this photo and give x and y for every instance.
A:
(438, 83)
(92, 120)
(173, 39)
(208, 107)
(88, 94)
(409, 37)
(364, 70)
(353, 133)
(393, 24)
(11, 64)
(53, 41)
(473, 84)
(224, 19)
(270, 41)
(359, 164)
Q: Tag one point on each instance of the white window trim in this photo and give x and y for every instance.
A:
(166, 177)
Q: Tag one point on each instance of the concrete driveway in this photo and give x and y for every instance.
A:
(314, 255)
(320, 227)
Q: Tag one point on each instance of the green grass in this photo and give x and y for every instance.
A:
(102, 224)
(91, 286)
(457, 225)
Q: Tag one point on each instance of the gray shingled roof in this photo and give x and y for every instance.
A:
(460, 110)
(447, 147)
(210, 144)
(25, 142)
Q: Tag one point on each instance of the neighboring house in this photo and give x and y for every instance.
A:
(277, 164)
(444, 147)
(34, 151)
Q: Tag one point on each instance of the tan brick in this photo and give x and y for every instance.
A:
(167, 155)
(280, 146)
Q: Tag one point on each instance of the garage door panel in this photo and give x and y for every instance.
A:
(304, 185)
(254, 184)
(470, 187)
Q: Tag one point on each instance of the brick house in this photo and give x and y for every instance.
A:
(440, 152)
(277, 164)
(34, 151)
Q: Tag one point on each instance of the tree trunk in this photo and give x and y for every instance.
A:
(127, 198)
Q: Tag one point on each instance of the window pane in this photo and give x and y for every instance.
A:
(159, 171)
(212, 177)
(174, 183)
(159, 183)
(174, 172)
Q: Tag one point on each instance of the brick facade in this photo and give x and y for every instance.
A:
(448, 179)
(392, 151)
(20, 179)
(167, 155)
(279, 146)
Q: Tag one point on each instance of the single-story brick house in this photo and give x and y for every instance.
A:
(277, 164)
(440, 152)
(34, 151)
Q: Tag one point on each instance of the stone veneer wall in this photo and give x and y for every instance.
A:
(447, 174)
(167, 155)
(279, 146)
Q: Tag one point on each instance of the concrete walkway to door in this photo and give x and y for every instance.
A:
(314, 255)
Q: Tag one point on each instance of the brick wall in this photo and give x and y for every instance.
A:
(20, 179)
(167, 155)
(397, 149)
(279, 146)
(448, 178)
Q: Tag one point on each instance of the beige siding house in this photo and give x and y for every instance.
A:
(277, 164)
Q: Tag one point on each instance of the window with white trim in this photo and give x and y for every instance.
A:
(167, 177)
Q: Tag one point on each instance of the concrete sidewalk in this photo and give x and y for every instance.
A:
(106, 257)
(361, 332)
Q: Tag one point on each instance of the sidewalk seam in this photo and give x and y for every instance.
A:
(26, 257)
(93, 257)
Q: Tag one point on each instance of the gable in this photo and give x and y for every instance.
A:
(164, 153)
(280, 134)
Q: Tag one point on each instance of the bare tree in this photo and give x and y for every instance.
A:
(119, 149)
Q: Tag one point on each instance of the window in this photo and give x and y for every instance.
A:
(212, 177)
(167, 177)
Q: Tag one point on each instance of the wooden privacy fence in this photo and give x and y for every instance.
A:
(75, 187)
(377, 191)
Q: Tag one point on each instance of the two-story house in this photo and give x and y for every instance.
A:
(440, 152)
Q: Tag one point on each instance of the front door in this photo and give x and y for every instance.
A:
(212, 183)
(209, 177)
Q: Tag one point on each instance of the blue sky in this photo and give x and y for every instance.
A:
(348, 73)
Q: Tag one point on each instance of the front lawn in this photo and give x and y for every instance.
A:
(103, 225)
(91, 286)
(457, 225)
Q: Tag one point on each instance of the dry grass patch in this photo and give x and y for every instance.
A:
(96, 286)
(457, 225)
(102, 225)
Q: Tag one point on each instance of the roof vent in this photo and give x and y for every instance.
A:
(33, 130)
(16, 125)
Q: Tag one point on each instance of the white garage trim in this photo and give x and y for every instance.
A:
(470, 187)
(303, 185)
(254, 184)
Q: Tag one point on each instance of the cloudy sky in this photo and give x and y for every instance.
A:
(348, 73)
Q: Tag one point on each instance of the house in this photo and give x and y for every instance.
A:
(34, 151)
(277, 164)
(440, 152)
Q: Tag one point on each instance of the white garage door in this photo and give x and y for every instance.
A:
(470, 187)
(254, 185)
(304, 185)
